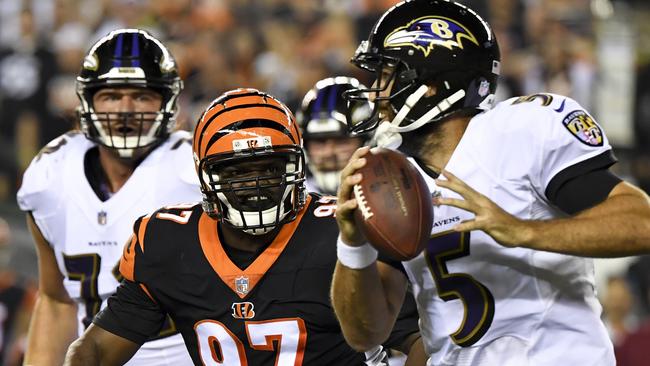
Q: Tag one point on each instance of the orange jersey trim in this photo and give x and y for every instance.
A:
(142, 230)
(127, 262)
(226, 269)
(146, 291)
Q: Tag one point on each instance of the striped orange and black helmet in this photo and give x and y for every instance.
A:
(249, 157)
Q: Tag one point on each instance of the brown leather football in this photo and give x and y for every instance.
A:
(395, 211)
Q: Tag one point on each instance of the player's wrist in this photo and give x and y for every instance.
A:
(355, 257)
(528, 233)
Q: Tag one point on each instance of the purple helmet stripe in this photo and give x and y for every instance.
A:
(118, 51)
(135, 51)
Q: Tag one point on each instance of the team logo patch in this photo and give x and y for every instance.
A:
(583, 127)
(241, 285)
(243, 310)
(427, 32)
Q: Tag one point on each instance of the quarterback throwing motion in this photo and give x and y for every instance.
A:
(522, 194)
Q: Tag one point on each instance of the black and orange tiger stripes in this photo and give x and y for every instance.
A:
(242, 127)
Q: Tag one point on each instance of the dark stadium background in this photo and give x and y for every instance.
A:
(596, 51)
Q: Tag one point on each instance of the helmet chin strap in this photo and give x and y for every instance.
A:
(388, 133)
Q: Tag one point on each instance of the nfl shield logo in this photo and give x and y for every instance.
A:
(101, 217)
(241, 285)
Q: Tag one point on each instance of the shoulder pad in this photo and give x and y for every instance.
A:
(150, 231)
(180, 148)
(41, 177)
(133, 248)
(546, 104)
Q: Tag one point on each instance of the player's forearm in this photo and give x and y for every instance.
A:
(619, 226)
(98, 346)
(416, 355)
(82, 352)
(361, 307)
(52, 328)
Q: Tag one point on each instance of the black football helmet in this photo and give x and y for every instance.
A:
(324, 114)
(128, 58)
(419, 44)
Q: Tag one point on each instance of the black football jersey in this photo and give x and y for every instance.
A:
(276, 311)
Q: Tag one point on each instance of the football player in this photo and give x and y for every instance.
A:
(245, 274)
(322, 118)
(504, 279)
(84, 190)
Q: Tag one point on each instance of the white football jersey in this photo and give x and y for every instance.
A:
(484, 304)
(88, 235)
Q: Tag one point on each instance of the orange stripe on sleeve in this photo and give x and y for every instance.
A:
(127, 262)
(146, 291)
(141, 231)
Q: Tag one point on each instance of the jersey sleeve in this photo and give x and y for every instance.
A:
(40, 189)
(131, 313)
(571, 144)
(134, 249)
(181, 148)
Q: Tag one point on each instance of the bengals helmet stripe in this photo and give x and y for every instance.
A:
(243, 114)
(262, 128)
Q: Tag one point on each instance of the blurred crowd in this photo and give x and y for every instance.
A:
(285, 46)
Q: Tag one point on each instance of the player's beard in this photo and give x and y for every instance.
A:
(420, 142)
(417, 143)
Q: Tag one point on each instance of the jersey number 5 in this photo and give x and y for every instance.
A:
(219, 346)
(477, 299)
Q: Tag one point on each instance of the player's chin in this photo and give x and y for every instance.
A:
(140, 152)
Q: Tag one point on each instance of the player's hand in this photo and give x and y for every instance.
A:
(346, 203)
(503, 227)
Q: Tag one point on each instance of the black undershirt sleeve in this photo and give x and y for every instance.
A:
(583, 185)
(131, 314)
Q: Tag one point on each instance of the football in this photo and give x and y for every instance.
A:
(394, 210)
